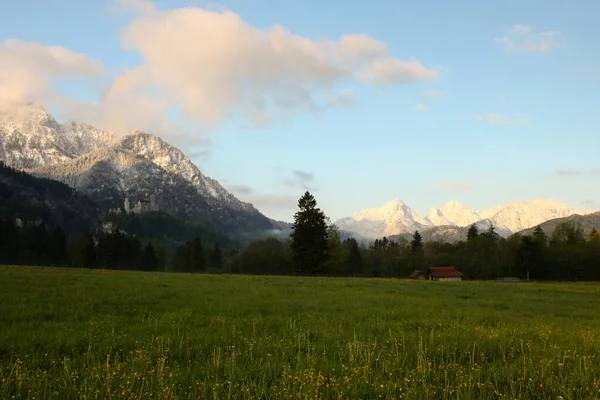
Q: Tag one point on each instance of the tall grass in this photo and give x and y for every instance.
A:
(73, 333)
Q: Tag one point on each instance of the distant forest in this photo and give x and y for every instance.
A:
(45, 222)
(157, 242)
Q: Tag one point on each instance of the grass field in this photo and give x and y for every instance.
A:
(69, 333)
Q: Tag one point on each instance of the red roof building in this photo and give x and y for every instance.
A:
(444, 274)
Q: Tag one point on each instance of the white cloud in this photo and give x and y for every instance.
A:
(28, 71)
(521, 38)
(519, 119)
(213, 64)
(420, 107)
(208, 65)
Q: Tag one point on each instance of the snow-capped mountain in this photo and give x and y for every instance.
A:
(453, 214)
(141, 165)
(396, 218)
(30, 137)
(109, 169)
(515, 217)
(390, 219)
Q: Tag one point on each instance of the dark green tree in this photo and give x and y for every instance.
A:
(58, 246)
(265, 257)
(309, 237)
(416, 244)
(149, 259)
(216, 257)
(11, 248)
(355, 262)
(197, 256)
(472, 233)
(83, 251)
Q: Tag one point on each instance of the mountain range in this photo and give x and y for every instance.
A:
(109, 169)
(451, 221)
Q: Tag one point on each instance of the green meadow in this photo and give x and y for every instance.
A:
(98, 334)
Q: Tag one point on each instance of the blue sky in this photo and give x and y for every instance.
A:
(501, 107)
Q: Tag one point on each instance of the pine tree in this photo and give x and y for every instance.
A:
(492, 231)
(354, 258)
(594, 235)
(216, 257)
(58, 246)
(416, 243)
(309, 237)
(197, 256)
(472, 233)
(149, 260)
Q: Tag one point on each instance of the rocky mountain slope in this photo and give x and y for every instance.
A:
(141, 165)
(109, 169)
(30, 137)
(396, 218)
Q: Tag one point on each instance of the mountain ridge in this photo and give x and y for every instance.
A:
(390, 220)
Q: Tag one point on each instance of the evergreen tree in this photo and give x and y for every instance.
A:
(11, 248)
(83, 251)
(335, 252)
(197, 256)
(354, 258)
(216, 257)
(149, 260)
(492, 231)
(58, 246)
(472, 233)
(416, 244)
(594, 235)
(309, 238)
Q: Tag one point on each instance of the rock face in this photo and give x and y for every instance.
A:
(141, 165)
(447, 223)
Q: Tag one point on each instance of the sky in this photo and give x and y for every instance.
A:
(481, 102)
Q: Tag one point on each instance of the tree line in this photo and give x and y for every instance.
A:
(315, 248)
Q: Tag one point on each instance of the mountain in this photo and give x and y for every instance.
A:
(520, 215)
(141, 165)
(392, 218)
(31, 138)
(35, 200)
(453, 214)
(396, 218)
(588, 222)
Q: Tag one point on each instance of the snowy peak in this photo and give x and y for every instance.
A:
(389, 219)
(30, 137)
(173, 160)
(520, 215)
(453, 214)
(396, 217)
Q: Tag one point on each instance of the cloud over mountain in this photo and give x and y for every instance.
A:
(208, 64)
